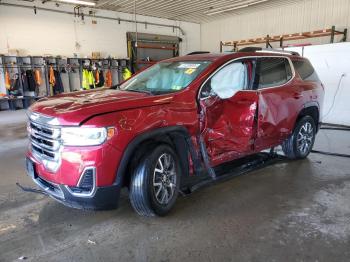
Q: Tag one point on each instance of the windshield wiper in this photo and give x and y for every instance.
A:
(139, 91)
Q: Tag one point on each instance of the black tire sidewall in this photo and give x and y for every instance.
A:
(301, 122)
(152, 159)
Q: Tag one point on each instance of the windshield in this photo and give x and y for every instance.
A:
(165, 77)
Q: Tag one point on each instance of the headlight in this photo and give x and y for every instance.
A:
(83, 136)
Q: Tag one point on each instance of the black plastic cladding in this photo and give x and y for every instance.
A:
(179, 136)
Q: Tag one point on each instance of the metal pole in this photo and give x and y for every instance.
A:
(332, 34)
(345, 34)
(48, 92)
(69, 75)
(135, 21)
(267, 41)
(80, 62)
(19, 71)
(93, 16)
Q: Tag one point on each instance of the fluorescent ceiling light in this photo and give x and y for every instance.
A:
(234, 7)
(78, 2)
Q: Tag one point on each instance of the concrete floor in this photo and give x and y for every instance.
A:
(291, 211)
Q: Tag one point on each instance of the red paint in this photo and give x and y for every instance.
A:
(248, 122)
(229, 134)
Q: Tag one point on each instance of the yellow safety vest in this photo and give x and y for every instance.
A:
(126, 74)
(88, 79)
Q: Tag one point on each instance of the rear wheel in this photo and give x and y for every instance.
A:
(155, 182)
(300, 143)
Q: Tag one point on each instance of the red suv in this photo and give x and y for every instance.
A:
(169, 127)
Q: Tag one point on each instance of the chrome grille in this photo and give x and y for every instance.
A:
(44, 141)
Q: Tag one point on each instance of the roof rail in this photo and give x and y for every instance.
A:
(198, 52)
(267, 50)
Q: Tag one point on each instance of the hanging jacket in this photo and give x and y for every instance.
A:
(24, 81)
(14, 89)
(91, 80)
(7, 80)
(58, 87)
(15, 86)
(109, 78)
(31, 80)
(37, 76)
(88, 81)
(101, 81)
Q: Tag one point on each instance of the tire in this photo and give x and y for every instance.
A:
(300, 143)
(155, 182)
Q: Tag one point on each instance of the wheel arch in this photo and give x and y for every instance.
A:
(176, 136)
(310, 109)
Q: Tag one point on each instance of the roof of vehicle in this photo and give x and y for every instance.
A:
(226, 56)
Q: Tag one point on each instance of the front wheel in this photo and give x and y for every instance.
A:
(300, 143)
(155, 182)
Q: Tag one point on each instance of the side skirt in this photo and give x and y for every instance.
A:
(233, 169)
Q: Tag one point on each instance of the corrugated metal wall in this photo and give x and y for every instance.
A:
(293, 17)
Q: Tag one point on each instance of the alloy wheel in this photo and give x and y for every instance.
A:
(164, 179)
(305, 138)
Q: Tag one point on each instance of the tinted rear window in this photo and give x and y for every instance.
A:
(305, 70)
(272, 71)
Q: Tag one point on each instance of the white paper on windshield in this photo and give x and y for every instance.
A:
(189, 66)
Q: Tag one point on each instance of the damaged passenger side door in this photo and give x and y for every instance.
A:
(228, 111)
(278, 101)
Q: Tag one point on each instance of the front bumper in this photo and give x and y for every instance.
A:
(104, 197)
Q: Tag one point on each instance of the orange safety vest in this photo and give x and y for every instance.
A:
(37, 76)
(97, 77)
(7, 80)
(52, 79)
(109, 78)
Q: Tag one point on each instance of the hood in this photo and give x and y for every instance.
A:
(74, 108)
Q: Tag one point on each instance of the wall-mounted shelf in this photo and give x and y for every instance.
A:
(146, 49)
(267, 40)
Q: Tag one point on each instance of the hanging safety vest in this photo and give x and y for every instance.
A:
(7, 80)
(88, 80)
(37, 76)
(97, 77)
(126, 74)
(108, 78)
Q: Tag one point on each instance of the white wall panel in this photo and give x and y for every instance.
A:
(56, 34)
(297, 16)
(332, 63)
